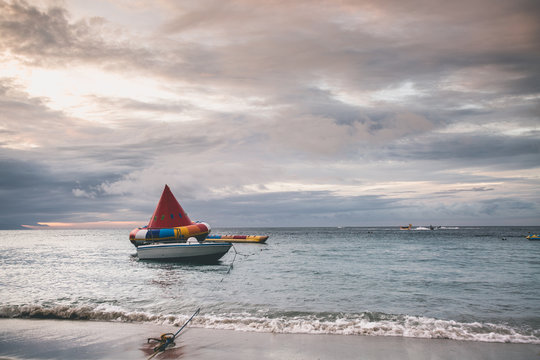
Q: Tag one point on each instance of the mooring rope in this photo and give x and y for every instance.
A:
(232, 263)
(167, 339)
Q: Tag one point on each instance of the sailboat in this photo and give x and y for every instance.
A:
(171, 235)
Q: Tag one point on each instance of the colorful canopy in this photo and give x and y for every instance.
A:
(168, 213)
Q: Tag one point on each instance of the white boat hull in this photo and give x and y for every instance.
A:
(206, 252)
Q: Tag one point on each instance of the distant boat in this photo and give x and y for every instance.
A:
(406, 227)
(533, 237)
(171, 235)
(238, 238)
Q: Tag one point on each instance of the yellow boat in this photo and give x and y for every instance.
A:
(533, 237)
(237, 238)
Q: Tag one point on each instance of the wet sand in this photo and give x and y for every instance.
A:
(64, 339)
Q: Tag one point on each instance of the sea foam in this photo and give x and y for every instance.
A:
(366, 324)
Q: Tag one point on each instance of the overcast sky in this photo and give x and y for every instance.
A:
(270, 113)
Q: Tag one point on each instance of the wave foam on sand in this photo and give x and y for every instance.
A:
(367, 323)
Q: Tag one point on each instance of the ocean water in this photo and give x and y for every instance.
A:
(464, 283)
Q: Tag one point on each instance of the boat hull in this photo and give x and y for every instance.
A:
(207, 252)
(533, 237)
(238, 238)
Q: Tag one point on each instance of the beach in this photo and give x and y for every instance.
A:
(66, 339)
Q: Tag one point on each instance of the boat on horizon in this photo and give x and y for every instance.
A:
(406, 227)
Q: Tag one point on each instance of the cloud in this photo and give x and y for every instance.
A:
(83, 193)
(485, 150)
(49, 38)
(474, 189)
(403, 104)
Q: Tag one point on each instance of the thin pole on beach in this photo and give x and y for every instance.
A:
(183, 326)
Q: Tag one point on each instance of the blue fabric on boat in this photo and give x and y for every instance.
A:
(152, 233)
(163, 233)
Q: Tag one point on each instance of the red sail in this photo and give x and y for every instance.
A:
(168, 213)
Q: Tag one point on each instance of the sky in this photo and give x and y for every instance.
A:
(270, 113)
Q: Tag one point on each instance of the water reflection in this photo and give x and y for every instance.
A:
(172, 352)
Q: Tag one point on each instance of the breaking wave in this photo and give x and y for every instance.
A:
(367, 323)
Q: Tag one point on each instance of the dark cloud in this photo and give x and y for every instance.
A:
(474, 189)
(317, 102)
(302, 208)
(504, 152)
(34, 192)
(48, 37)
(501, 206)
(491, 211)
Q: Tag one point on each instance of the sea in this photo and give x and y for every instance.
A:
(454, 282)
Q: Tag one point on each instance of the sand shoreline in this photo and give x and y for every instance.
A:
(66, 339)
